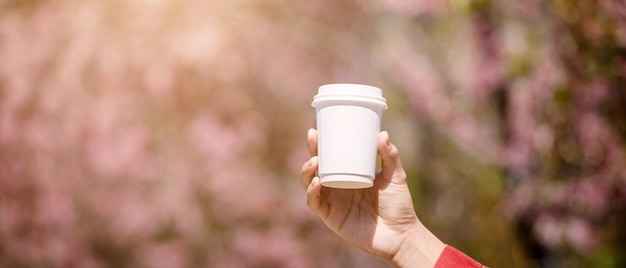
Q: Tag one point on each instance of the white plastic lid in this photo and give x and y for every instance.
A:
(350, 92)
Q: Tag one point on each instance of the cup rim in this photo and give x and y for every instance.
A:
(351, 93)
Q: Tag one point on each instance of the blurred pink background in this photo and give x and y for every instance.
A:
(161, 133)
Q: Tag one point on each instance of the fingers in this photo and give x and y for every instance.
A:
(313, 188)
(311, 136)
(308, 172)
(314, 199)
(392, 170)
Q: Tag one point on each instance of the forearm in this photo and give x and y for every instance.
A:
(420, 248)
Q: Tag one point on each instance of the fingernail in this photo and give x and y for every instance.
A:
(309, 163)
(312, 183)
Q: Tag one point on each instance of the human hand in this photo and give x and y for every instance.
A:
(380, 220)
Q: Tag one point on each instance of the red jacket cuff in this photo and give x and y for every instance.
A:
(453, 258)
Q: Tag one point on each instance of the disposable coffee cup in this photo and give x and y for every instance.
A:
(348, 121)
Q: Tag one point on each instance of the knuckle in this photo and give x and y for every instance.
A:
(402, 173)
(394, 153)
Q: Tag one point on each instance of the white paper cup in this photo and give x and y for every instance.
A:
(348, 122)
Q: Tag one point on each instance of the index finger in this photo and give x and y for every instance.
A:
(312, 141)
(392, 170)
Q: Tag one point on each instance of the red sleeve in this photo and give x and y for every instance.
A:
(453, 258)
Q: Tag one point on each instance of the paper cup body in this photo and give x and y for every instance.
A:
(348, 121)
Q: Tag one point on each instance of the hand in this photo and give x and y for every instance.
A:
(380, 220)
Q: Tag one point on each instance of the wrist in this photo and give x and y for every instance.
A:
(420, 248)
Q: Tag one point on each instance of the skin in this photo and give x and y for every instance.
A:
(380, 220)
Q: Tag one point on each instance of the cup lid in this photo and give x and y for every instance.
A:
(350, 92)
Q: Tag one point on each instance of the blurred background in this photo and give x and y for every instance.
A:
(162, 133)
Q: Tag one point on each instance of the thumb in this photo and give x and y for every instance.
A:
(392, 170)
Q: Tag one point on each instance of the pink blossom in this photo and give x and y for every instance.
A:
(580, 235)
